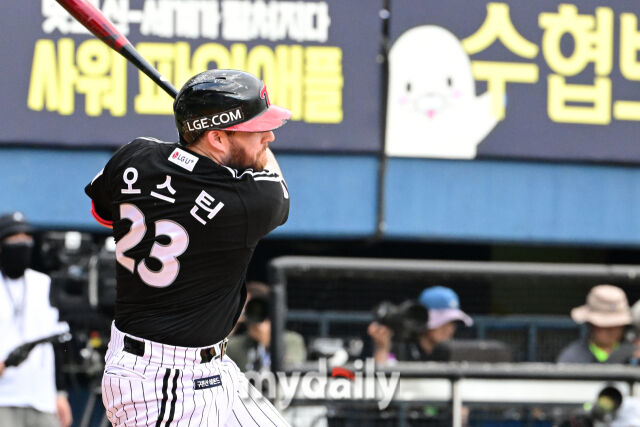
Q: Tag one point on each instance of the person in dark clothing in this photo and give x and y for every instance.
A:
(444, 316)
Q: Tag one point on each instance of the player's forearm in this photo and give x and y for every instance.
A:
(272, 163)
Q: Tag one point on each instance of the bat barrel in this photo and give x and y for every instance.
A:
(93, 20)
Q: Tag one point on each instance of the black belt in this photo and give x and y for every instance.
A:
(217, 351)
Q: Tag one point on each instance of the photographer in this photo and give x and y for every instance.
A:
(250, 349)
(27, 384)
(413, 340)
(607, 314)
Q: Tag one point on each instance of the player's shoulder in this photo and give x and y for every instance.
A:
(144, 143)
(140, 148)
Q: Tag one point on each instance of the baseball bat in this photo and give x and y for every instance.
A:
(93, 20)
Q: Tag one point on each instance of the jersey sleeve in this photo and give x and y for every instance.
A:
(266, 198)
(272, 190)
(99, 189)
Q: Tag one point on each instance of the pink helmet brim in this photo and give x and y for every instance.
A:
(271, 119)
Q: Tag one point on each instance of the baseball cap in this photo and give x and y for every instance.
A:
(230, 100)
(606, 306)
(444, 307)
(14, 223)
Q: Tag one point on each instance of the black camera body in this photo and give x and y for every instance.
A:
(406, 319)
(603, 412)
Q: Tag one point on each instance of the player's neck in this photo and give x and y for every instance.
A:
(203, 151)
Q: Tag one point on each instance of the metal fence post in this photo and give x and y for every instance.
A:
(456, 403)
(278, 314)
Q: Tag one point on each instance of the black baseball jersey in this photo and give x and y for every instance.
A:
(185, 230)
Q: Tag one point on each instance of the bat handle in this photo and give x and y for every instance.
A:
(132, 55)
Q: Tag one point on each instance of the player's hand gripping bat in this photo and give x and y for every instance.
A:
(93, 20)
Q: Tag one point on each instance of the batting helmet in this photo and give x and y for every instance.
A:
(226, 100)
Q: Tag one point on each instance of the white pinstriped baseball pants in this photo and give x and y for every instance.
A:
(169, 386)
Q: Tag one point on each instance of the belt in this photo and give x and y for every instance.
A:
(216, 351)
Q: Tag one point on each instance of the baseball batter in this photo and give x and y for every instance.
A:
(186, 218)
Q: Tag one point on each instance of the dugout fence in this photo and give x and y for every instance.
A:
(550, 287)
(489, 387)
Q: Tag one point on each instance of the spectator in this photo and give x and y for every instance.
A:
(444, 315)
(254, 287)
(28, 394)
(250, 350)
(606, 314)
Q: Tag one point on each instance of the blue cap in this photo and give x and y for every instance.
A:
(439, 297)
(444, 307)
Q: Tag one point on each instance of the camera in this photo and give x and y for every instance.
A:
(83, 289)
(603, 412)
(406, 319)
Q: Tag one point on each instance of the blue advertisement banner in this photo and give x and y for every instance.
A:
(543, 80)
(62, 86)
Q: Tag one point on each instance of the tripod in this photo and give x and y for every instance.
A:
(95, 393)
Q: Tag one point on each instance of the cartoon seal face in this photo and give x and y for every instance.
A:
(433, 110)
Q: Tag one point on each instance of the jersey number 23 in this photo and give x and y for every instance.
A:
(166, 254)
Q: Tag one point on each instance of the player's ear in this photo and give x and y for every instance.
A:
(217, 140)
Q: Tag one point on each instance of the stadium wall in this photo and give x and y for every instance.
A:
(336, 196)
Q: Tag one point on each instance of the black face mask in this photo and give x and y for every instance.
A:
(15, 258)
